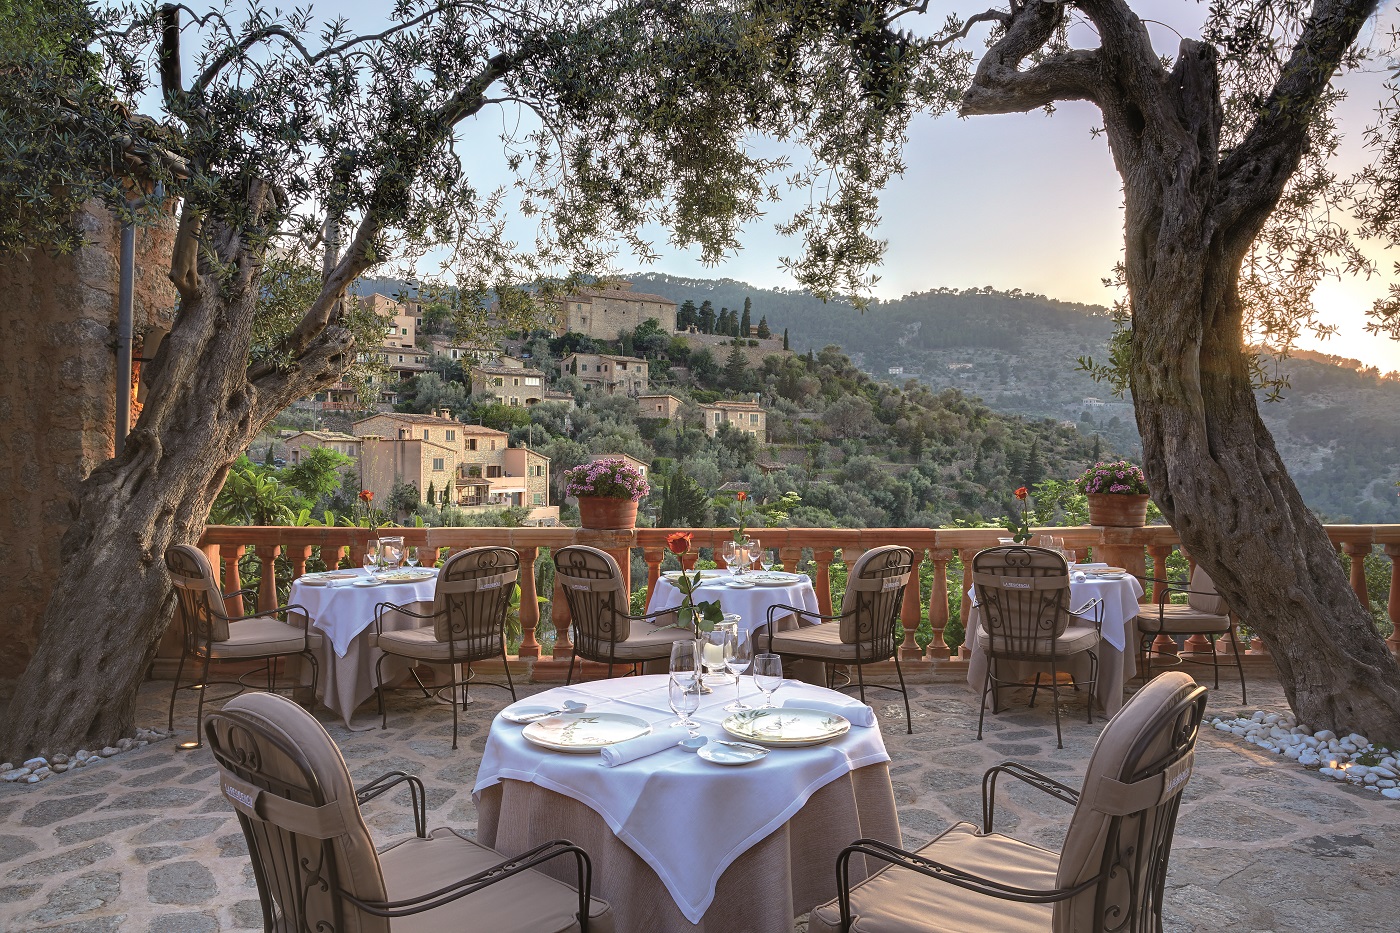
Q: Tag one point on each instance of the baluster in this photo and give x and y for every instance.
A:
(1358, 550)
(267, 575)
(789, 558)
(298, 555)
(233, 580)
(823, 557)
(529, 604)
(559, 615)
(938, 603)
(1160, 554)
(965, 652)
(909, 611)
(653, 557)
(1393, 606)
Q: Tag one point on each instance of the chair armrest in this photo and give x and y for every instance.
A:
(1095, 604)
(381, 608)
(874, 848)
(507, 869)
(416, 791)
(1027, 775)
(246, 591)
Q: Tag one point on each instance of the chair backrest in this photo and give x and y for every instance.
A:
(1122, 827)
(1202, 596)
(200, 603)
(1022, 596)
(286, 779)
(472, 598)
(598, 601)
(874, 595)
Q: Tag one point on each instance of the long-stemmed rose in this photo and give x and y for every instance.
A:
(1020, 527)
(699, 616)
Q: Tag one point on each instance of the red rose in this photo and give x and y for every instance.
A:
(366, 495)
(741, 495)
(678, 543)
(1022, 492)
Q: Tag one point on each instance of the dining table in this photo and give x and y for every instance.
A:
(342, 610)
(748, 595)
(1118, 638)
(677, 841)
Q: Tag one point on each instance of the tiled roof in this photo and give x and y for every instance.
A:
(410, 418)
(619, 293)
(325, 435)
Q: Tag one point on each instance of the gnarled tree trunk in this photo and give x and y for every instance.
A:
(112, 602)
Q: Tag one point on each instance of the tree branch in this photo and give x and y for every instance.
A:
(1253, 176)
(999, 86)
(172, 85)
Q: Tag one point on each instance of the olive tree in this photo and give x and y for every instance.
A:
(1233, 211)
(293, 145)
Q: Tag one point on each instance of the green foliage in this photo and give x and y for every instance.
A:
(251, 496)
(317, 475)
(503, 417)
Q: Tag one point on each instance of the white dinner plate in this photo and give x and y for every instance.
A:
(521, 715)
(406, 575)
(774, 578)
(727, 753)
(584, 733)
(786, 727)
(740, 585)
(1102, 575)
(366, 581)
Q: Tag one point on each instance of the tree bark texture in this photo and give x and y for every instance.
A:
(113, 602)
(1191, 214)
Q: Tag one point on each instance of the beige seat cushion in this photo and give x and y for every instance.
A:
(527, 903)
(897, 899)
(262, 637)
(421, 644)
(817, 641)
(1076, 638)
(1181, 619)
(645, 643)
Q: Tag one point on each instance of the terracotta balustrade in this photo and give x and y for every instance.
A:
(811, 550)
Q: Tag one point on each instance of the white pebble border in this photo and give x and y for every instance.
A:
(43, 767)
(1324, 751)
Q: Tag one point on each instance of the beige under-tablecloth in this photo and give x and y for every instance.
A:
(786, 874)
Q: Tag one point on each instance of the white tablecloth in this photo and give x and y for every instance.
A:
(1117, 652)
(686, 818)
(344, 613)
(751, 604)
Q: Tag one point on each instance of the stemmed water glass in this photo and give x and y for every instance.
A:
(767, 676)
(410, 555)
(681, 691)
(738, 654)
(371, 555)
(767, 559)
(752, 550)
(730, 555)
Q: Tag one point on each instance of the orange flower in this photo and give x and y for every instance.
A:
(366, 495)
(1021, 493)
(741, 495)
(678, 543)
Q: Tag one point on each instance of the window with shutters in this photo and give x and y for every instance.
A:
(437, 464)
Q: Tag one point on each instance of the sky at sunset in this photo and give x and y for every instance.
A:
(1025, 201)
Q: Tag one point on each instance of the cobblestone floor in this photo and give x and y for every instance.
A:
(142, 842)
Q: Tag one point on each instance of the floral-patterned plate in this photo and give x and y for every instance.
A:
(786, 727)
(775, 578)
(584, 733)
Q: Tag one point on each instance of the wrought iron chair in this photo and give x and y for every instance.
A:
(1203, 613)
(1022, 598)
(604, 631)
(1109, 874)
(470, 602)
(209, 634)
(315, 863)
(866, 631)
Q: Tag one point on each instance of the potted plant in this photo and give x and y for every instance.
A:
(607, 491)
(1117, 494)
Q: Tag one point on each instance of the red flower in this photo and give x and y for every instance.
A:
(741, 495)
(366, 495)
(1021, 493)
(678, 543)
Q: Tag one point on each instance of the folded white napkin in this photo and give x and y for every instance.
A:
(858, 713)
(643, 745)
(1078, 576)
(1094, 566)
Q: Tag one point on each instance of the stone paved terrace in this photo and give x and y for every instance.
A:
(142, 841)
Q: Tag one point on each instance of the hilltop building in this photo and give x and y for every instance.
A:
(605, 313)
(606, 372)
(663, 407)
(749, 417)
(511, 385)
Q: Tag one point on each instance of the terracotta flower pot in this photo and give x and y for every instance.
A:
(1117, 510)
(606, 513)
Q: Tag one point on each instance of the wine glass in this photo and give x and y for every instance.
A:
(410, 555)
(371, 555)
(767, 559)
(730, 555)
(767, 676)
(683, 689)
(738, 654)
(752, 550)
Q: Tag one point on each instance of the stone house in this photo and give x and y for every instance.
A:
(663, 407)
(606, 313)
(302, 441)
(511, 385)
(385, 463)
(606, 372)
(748, 417)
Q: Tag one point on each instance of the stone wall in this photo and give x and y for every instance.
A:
(720, 346)
(57, 401)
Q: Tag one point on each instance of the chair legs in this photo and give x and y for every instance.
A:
(570, 678)
(1235, 647)
(175, 689)
(1055, 692)
(908, 716)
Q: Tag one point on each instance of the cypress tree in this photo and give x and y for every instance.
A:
(747, 321)
(763, 331)
(707, 317)
(785, 340)
(734, 367)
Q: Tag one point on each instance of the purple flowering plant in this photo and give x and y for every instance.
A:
(1115, 478)
(607, 479)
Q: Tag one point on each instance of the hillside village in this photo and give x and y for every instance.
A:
(460, 431)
